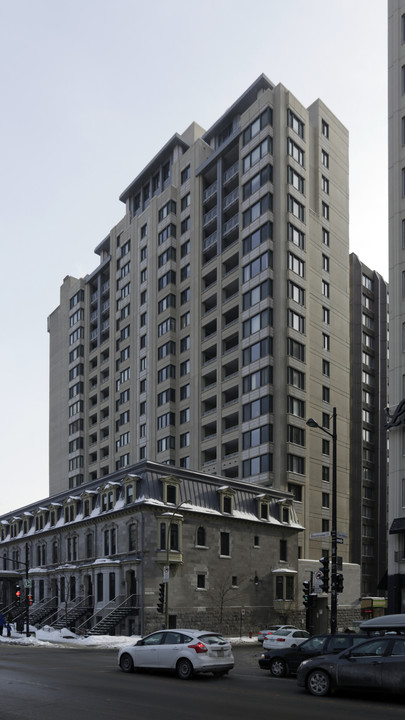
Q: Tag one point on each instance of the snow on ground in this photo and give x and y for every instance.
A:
(48, 636)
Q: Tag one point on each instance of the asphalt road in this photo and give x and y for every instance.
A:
(86, 684)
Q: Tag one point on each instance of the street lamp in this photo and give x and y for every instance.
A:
(167, 577)
(333, 593)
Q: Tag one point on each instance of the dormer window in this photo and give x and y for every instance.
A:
(226, 495)
(263, 507)
(171, 490)
(129, 483)
(108, 496)
(70, 510)
(285, 514)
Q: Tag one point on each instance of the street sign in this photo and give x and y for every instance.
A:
(319, 534)
(339, 540)
(27, 583)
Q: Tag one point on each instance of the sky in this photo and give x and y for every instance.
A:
(90, 90)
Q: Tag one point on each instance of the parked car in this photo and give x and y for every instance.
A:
(376, 664)
(184, 651)
(285, 638)
(262, 634)
(283, 661)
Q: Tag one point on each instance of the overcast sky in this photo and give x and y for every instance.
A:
(91, 90)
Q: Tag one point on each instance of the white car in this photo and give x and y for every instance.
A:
(285, 638)
(262, 634)
(184, 651)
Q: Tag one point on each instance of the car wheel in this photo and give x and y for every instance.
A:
(184, 669)
(126, 663)
(278, 668)
(318, 683)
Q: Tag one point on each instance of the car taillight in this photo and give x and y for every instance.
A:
(199, 647)
(280, 639)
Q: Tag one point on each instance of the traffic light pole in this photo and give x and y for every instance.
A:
(27, 601)
(333, 593)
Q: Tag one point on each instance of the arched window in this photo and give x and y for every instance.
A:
(201, 536)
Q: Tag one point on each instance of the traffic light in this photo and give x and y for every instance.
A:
(17, 594)
(305, 592)
(161, 598)
(29, 599)
(339, 583)
(325, 573)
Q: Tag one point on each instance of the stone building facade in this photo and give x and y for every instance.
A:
(94, 559)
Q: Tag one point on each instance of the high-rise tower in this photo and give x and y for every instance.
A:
(217, 320)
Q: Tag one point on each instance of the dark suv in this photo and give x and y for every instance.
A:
(286, 660)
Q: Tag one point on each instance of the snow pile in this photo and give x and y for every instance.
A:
(48, 636)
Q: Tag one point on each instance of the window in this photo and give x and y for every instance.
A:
(296, 435)
(284, 587)
(295, 179)
(296, 490)
(263, 233)
(185, 320)
(170, 207)
(325, 185)
(296, 208)
(201, 581)
(166, 326)
(256, 210)
(266, 118)
(295, 321)
(185, 174)
(295, 464)
(296, 236)
(283, 550)
(165, 257)
(325, 447)
(325, 236)
(260, 292)
(295, 264)
(258, 436)
(257, 322)
(325, 341)
(255, 155)
(295, 406)
(256, 465)
(257, 379)
(295, 123)
(185, 202)
(325, 159)
(201, 537)
(261, 406)
(264, 176)
(263, 262)
(168, 231)
(325, 473)
(295, 349)
(167, 302)
(225, 544)
(296, 378)
(166, 443)
(326, 315)
(295, 152)
(325, 394)
(185, 225)
(258, 350)
(325, 129)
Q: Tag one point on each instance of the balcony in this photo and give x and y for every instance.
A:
(210, 217)
(231, 172)
(210, 191)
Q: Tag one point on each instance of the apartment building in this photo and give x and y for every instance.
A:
(396, 204)
(216, 320)
(369, 398)
(95, 558)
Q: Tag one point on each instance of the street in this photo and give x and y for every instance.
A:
(69, 684)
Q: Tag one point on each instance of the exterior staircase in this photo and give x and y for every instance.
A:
(115, 613)
(82, 608)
